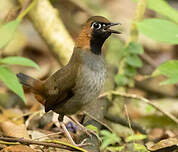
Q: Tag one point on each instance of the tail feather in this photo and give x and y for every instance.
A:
(30, 82)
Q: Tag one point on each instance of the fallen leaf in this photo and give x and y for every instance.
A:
(164, 144)
(17, 148)
(13, 130)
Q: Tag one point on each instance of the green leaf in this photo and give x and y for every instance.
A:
(130, 71)
(136, 137)
(134, 48)
(7, 32)
(108, 139)
(105, 133)
(168, 68)
(162, 7)
(19, 61)
(149, 108)
(92, 128)
(159, 30)
(11, 81)
(133, 60)
(114, 149)
(140, 148)
(121, 80)
(105, 144)
(170, 81)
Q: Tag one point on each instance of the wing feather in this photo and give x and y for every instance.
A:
(59, 86)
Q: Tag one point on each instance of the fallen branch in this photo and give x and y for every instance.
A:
(133, 96)
(50, 143)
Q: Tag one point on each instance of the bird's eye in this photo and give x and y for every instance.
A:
(96, 25)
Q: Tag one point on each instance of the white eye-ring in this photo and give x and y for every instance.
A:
(96, 25)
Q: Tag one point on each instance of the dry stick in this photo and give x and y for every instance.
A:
(100, 122)
(133, 96)
(127, 114)
(148, 59)
(124, 122)
(48, 135)
(28, 142)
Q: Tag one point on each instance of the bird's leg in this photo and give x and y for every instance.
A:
(87, 131)
(67, 134)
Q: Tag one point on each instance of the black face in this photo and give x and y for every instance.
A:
(100, 32)
(103, 29)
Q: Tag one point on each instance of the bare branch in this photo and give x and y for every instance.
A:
(60, 145)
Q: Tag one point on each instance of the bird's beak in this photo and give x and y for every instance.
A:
(113, 31)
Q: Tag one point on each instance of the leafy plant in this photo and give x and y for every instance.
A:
(165, 31)
(140, 148)
(108, 138)
(162, 7)
(9, 78)
(160, 30)
(114, 149)
(168, 69)
(132, 62)
(7, 32)
(16, 60)
(135, 137)
(92, 128)
(111, 141)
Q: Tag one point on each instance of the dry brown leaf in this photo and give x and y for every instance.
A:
(163, 144)
(11, 115)
(13, 130)
(17, 148)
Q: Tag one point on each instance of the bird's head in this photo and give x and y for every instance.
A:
(94, 32)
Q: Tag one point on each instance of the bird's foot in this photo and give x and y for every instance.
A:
(83, 128)
(83, 143)
(88, 132)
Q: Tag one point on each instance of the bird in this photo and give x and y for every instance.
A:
(70, 89)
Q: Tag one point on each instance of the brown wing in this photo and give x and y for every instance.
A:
(59, 86)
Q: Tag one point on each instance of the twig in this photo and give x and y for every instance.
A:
(26, 3)
(48, 135)
(149, 60)
(127, 114)
(139, 14)
(57, 144)
(24, 115)
(119, 120)
(100, 122)
(133, 96)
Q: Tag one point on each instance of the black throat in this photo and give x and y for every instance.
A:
(96, 44)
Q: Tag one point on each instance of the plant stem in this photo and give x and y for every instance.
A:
(133, 37)
(25, 11)
(139, 14)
